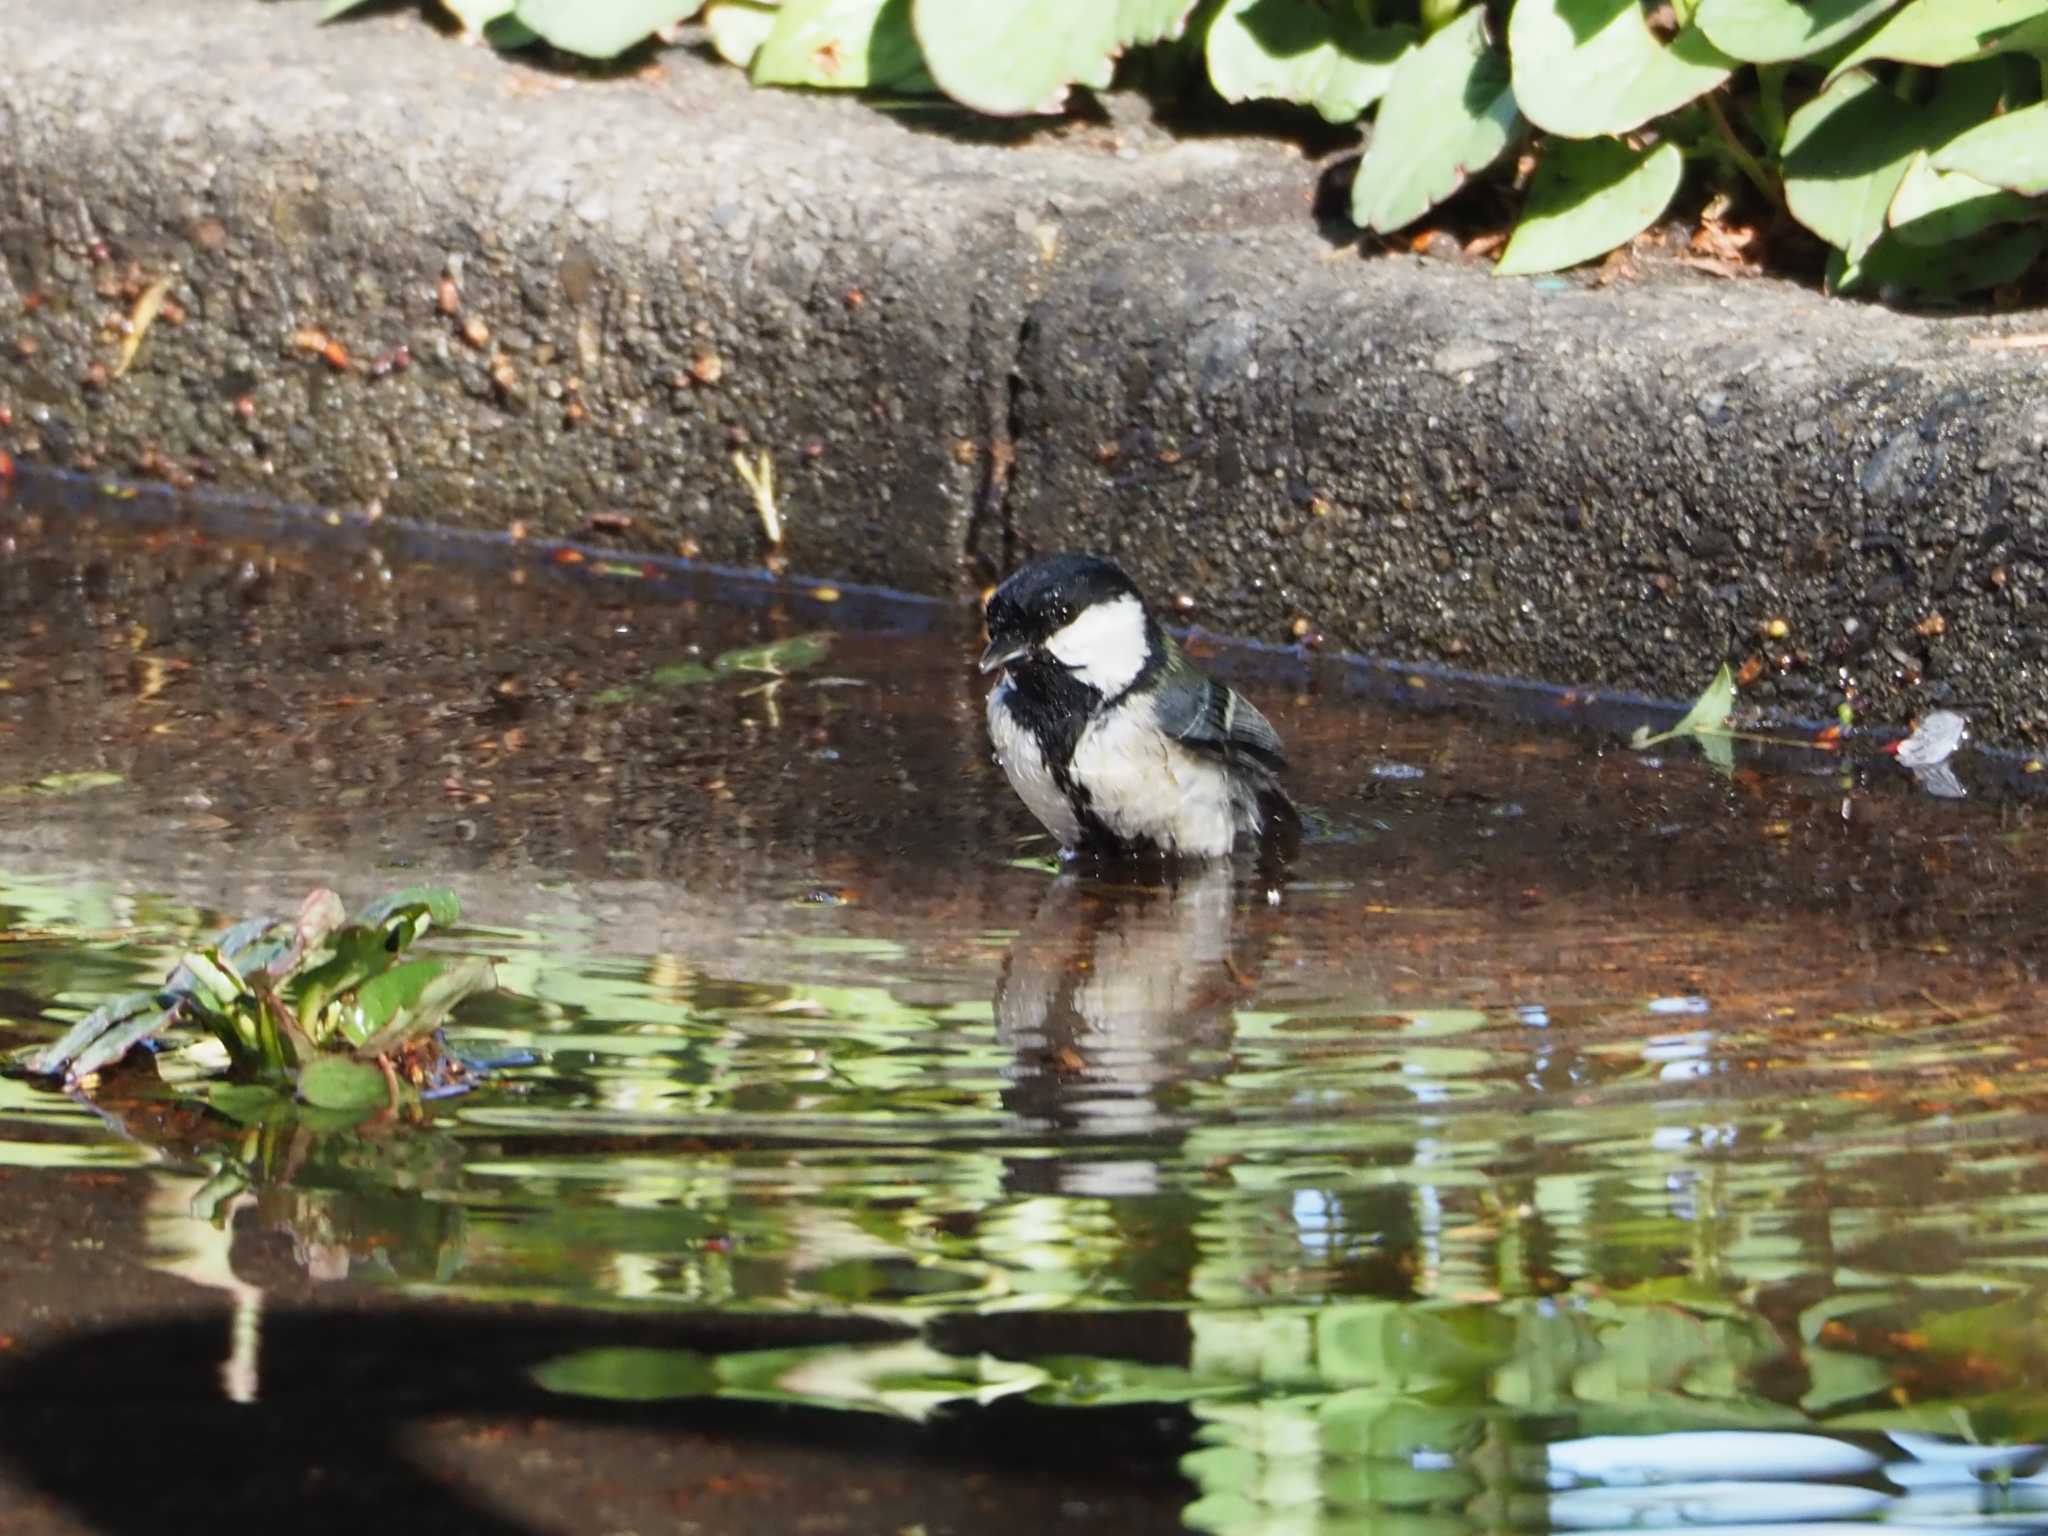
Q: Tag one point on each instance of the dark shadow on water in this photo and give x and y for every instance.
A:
(129, 1430)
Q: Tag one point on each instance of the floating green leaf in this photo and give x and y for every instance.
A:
(1943, 32)
(2009, 151)
(602, 31)
(1296, 50)
(77, 783)
(1706, 722)
(1448, 113)
(843, 44)
(336, 1082)
(1848, 149)
(1011, 57)
(1586, 67)
(783, 656)
(677, 674)
(1588, 197)
(1772, 31)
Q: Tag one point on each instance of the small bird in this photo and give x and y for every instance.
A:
(1113, 738)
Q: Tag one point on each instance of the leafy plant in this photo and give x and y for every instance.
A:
(317, 1005)
(1909, 136)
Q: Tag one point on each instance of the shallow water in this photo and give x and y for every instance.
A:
(1580, 1138)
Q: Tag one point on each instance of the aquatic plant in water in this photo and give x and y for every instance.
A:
(315, 1006)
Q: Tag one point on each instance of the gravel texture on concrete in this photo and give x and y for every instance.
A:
(962, 345)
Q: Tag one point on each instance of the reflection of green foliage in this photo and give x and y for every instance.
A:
(782, 658)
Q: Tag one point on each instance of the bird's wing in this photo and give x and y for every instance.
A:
(1202, 713)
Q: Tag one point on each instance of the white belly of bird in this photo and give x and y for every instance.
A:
(1144, 784)
(1023, 764)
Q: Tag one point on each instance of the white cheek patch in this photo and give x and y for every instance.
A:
(1105, 647)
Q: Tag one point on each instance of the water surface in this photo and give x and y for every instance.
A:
(1578, 1138)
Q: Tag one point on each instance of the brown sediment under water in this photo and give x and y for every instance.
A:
(1576, 1138)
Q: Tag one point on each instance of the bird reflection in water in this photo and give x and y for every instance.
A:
(1117, 1001)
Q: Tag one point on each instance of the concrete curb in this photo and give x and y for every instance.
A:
(957, 351)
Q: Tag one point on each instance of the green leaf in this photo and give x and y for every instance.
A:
(1296, 50)
(436, 902)
(602, 31)
(737, 29)
(379, 999)
(1590, 196)
(1943, 271)
(1706, 722)
(214, 982)
(245, 1103)
(677, 674)
(1448, 113)
(1586, 67)
(1935, 207)
(509, 32)
(475, 15)
(629, 1375)
(1847, 150)
(795, 654)
(1011, 57)
(843, 44)
(1943, 32)
(1773, 31)
(2009, 151)
(336, 1082)
(77, 783)
(358, 954)
(54, 1058)
(118, 1041)
(458, 980)
(277, 1035)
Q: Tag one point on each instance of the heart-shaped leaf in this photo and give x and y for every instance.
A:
(1934, 207)
(602, 31)
(1949, 271)
(1773, 31)
(738, 28)
(1848, 149)
(1587, 67)
(1296, 50)
(1589, 196)
(1943, 32)
(841, 44)
(1011, 57)
(2009, 151)
(1448, 113)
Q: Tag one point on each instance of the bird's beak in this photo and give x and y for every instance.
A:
(1001, 653)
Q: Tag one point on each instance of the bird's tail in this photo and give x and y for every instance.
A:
(1279, 829)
